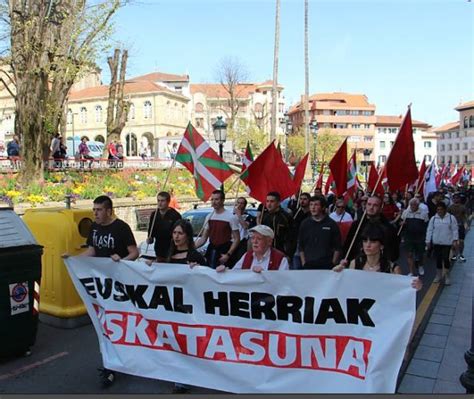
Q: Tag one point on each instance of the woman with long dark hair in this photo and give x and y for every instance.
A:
(372, 257)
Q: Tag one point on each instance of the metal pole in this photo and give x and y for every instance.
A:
(221, 154)
(467, 378)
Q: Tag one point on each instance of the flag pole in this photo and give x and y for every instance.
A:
(157, 210)
(363, 215)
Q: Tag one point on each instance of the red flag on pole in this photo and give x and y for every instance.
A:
(421, 177)
(401, 163)
(338, 167)
(299, 172)
(329, 181)
(455, 179)
(319, 182)
(372, 180)
(268, 173)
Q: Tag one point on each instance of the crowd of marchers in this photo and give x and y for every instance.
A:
(316, 232)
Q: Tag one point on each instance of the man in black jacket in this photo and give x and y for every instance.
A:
(373, 215)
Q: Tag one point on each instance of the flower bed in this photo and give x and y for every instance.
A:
(81, 185)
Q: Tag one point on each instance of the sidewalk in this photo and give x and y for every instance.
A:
(438, 360)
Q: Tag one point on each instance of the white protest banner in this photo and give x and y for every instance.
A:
(303, 331)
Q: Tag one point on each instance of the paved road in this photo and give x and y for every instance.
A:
(65, 361)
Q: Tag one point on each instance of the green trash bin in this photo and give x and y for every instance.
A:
(20, 275)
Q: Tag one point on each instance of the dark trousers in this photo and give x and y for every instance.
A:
(214, 252)
(441, 253)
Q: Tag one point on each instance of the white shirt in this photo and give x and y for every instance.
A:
(263, 263)
(346, 217)
(423, 207)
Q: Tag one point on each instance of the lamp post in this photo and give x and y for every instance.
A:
(219, 128)
(366, 153)
(288, 130)
(313, 127)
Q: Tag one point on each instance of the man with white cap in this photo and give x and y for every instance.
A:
(262, 256)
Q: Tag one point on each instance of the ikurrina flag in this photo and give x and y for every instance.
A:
(248, 158)
(208, 168)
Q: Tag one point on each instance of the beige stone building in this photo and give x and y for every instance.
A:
(208, 101)
(456, 139)
(159, 108)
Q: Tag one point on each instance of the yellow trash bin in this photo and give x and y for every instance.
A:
(59, 231)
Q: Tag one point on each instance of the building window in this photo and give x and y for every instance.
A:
(199, 107)
(367, 113)
(427, 144)
(450, 147)
(466, 122)
(199, 122)
(326, 112)
(464, 146)
(457, 158)
(466, 159)
(382, 144)
(366, 126)
(450, 158)
(393, 130)
(341, 112)
(457, 135)
(442, 159)
(442, 147)
(471, 121)
(131, 111)
(69, 116)
(131, 145)
(147, 110)
(340, 126)
(457, 146)
(382, 158)
(83, 115)
(368, 138)
(98, 113)
(179, 89)
(356, 126)
(428, 158)
(449, 135)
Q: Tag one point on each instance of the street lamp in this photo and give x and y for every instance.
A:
(219, 128)
(313, 127)
(366, 153)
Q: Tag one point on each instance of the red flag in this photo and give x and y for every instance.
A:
(299, 173)
(440, 175)
(338, 167)
(401, 163)
(372, 181)
(208, 168)
(319, 182)
(421, 177)
(455, 179)
(329, 181)
(268, 173)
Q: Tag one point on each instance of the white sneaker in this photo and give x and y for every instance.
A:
(421, 271)
(437, 279)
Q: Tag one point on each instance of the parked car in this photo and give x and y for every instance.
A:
(196, 217)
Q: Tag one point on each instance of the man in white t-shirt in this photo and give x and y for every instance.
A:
(340, 215)
(222, 228)
(262, 256)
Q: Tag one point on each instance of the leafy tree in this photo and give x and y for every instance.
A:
(51, 43)
(244, 132)
(327, 144)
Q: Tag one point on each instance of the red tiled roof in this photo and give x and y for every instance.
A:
(216, 90)
(392, 120)
(463, 106)
(336, 101)
(162, 77)
(131, 87)
(447, 127)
